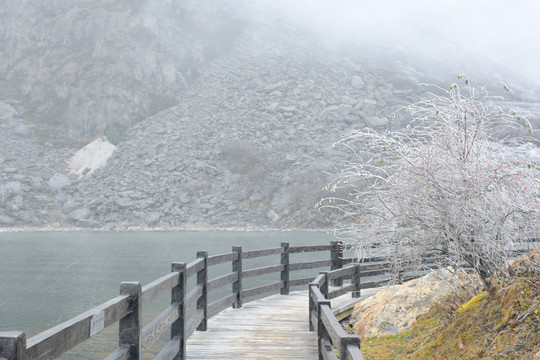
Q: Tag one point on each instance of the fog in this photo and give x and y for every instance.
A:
(507, 32)
(225, 111)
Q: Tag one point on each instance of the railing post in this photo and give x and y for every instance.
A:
(12, 345)
(336, 255)
(130, 325)
(355, 280)
(202, 280)
(285, 271)
(321, 331)
(178, 296)
(237, 285)
(324, 287)
(312, 306)
(346, 341)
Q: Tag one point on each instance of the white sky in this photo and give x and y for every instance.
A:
(507, 31)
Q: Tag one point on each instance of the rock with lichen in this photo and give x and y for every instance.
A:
(394, 309)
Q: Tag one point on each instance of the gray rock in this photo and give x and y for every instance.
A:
(79, 214)
(357, 82)
(124, 203)
(7, 112)
(272, 215)
(394, 309)
(290, 157)
(376, 121)
(272, 108)
(69, 206)
(6, 220)
(347, 100)
(366, 106)
(58, 182)
(276, 86)
(153, 218)
(183, 197)
(21, 129)
(288, 108)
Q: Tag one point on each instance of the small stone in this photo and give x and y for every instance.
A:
(376, 121)
(79, 214)
(10, 170)
(152, 218)
(69, 206)
(366, 106)
(124, 203)
(288, 108)
(6, 220)
(357, 82)
(272, 107)
(275, 86)
(273, 216)
(303, 104)
(347, 100)
(21, 129)
(329, 109)
(183, 197)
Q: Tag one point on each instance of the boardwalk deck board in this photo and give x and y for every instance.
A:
(275, 327)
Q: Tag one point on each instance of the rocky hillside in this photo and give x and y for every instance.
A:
(241, 133)
(95, 67)
(247, 147)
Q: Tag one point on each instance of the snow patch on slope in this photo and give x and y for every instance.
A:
(91, 157)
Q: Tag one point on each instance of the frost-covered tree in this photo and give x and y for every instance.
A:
(451, 185)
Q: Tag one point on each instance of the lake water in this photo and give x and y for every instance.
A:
(47, 278)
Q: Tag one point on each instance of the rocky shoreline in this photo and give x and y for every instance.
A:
(138, 229)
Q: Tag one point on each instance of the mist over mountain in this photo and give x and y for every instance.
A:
(98, 67)
(223, 113)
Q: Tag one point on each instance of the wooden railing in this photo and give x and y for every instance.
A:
(126, 309)
(330, 333)
(134, 340)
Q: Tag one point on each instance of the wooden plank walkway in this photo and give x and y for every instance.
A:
(275, 327)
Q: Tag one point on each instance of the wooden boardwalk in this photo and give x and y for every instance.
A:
(269, 328)
(275, 327)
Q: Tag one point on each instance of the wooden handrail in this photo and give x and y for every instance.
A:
(330, 333)
(126, 308)
(67, 335)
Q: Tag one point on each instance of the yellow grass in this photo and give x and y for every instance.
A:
(503, 323)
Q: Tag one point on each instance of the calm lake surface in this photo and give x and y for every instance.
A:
(47, 278)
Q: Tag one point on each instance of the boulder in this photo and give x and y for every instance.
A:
(395, 308)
